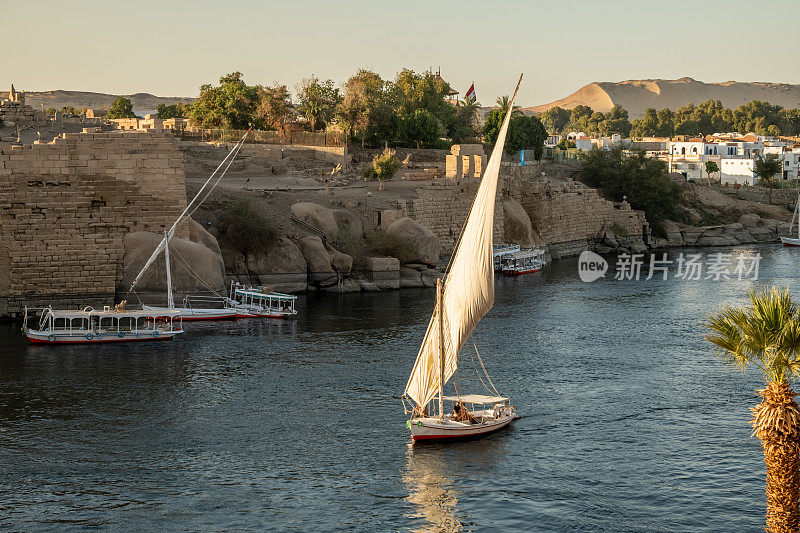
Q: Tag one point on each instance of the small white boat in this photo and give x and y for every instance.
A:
(93, 326)
(251, 302)
(792, 241)
(523, 262)
(476, 424)
(465, 296)
(499, 251)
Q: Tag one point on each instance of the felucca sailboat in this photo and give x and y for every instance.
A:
(462, 300)
(791, 241)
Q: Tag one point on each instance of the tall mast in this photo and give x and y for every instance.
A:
(170, 301)
(440, 310)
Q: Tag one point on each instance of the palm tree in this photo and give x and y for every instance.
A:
(766, 333)
(503, 101)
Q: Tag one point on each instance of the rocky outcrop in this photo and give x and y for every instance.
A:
(517, 225)
(206, 264)
(283, 266)
(750, 229)
(197, 233)
(425, 245)
(418, 275)
(318, 216)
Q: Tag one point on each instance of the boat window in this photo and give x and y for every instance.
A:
(60, 323)
(141, 323)
(126, 323)
(78, 323)
(107, 322)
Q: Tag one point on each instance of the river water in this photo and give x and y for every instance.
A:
(630, 423)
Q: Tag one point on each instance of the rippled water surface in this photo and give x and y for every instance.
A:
(629, 423)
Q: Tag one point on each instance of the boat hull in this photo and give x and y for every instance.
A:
(195, 315)
(788, 241)
(520, 272)
(44, 337)
(430, 430)
(248, 313)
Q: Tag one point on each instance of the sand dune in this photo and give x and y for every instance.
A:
(142, 102)
(636, 95)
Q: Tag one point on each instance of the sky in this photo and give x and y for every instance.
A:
(171, 47)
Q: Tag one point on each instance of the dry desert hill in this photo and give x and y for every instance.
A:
(142, 102)
(636, 95)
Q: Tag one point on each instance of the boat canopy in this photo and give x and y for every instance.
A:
(272, 295)
(116, 314)
(476, 398)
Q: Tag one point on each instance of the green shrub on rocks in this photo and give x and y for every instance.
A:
(247, 228)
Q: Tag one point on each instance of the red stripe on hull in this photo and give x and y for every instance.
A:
(790, 244)
(517, 273)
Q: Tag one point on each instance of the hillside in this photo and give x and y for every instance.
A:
(142, 102)
(636, 95)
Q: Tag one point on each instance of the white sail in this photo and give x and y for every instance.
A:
(468, 288)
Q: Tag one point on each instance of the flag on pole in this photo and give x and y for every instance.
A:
(470, 95)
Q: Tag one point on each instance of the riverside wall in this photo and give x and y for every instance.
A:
(566, 215)
(66, 207)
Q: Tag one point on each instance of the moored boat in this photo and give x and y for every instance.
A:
(252, 302)
(95, 326)
(465, 296)
(523, 262)
(499, 251)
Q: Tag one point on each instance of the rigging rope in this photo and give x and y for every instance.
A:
(484, 369)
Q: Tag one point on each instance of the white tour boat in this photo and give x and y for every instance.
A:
(93, 326)
(251, 302)
(499, 251)
(523, 262)
(462, 300)
(791, 241)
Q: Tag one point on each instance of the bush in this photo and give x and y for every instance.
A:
(626, 173)
(247, 228)
(385, 165)
(619, 230)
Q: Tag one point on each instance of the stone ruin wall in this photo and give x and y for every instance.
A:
(444, 208)
(565, 215)
(66, 206)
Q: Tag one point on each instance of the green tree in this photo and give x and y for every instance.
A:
(503, 102)
(420, 127)
(711, 168)
(555, 119)
(765, 169)
(318, 101)
(176, 110)
(526, 132)
(232, 104)
(465, 118)
(766, 334)
(275, 107)
(364, 93)
(411, 91)
(384, 166)
(630, 173)
(121, 108)
(647, 126)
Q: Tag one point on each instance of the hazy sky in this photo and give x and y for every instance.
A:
(170, 47)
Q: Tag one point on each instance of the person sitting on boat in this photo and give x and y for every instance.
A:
(497, 410)
(462, 414)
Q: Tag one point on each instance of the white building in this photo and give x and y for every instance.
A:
(737, 171)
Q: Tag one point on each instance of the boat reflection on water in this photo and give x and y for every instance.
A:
(430, 492)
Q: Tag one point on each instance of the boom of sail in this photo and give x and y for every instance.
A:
(468, 291)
